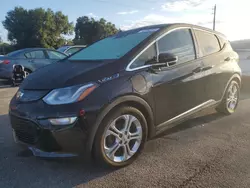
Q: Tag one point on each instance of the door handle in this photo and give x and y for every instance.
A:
(197, 70)
(207, 68)
(228, 59)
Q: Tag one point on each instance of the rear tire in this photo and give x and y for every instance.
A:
(121, 137)
(230, 99)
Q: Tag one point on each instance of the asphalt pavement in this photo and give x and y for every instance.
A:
(210, 150)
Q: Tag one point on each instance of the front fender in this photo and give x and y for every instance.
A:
(116, 102)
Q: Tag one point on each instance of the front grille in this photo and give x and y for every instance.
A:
(25, 137)
(26, 131)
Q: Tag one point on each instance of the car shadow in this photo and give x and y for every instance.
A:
(69, 172)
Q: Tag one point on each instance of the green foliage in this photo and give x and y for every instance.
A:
(37, 28)
(6, 48)
(88, 30)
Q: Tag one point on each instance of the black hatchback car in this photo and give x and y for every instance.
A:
(107, 100)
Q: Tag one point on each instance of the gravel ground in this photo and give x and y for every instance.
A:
(207, 151)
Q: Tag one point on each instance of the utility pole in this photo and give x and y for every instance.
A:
(214, 17)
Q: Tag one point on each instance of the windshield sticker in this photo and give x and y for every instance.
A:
(148, 30)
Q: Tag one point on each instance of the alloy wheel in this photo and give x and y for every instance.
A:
(122, 138)
(233, 96)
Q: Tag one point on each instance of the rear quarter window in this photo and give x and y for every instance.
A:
(208, 42)
(224, 41)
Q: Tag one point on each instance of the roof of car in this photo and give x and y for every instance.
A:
(18, 52)
(162, 26)
(29, 49)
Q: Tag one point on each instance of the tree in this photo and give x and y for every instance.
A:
(37, 27)
(1, 40)
(6, 48)
(88, 30)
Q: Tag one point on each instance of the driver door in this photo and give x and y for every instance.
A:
(179, 87)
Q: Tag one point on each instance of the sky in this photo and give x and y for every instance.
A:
(232, 15)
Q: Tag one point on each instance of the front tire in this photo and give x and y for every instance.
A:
(230, 99)
(120, 137)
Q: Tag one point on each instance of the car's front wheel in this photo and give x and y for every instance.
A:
(230, 100)
(120, 137)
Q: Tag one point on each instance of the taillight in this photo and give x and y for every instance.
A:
(4, 62)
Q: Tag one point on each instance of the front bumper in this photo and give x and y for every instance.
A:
(49, 141)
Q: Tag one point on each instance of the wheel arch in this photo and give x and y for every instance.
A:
(129, 100)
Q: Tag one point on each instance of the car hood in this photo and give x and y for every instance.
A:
(67, 73)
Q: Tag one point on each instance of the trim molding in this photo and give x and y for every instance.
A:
(171, 123)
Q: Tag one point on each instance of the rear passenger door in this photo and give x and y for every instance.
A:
(36, 58)
(211, 53)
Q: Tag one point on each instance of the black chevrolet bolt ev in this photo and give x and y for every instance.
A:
(107, 100)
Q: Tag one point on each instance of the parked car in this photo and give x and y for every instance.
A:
(69, 50)
(30, 58)
(145, 81)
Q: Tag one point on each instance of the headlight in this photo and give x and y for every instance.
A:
(69, 94)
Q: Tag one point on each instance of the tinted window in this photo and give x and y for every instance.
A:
(55, 55)
(114, 47)
(72, 50)
(179, 43)
(145, 58)
(35, 55)
(208, 43)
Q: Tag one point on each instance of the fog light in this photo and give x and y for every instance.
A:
(63, 121)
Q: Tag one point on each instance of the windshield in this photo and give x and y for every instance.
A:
(113, 47)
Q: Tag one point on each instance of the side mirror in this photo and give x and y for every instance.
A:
(168, 58)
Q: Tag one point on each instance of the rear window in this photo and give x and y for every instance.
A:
(208, 42)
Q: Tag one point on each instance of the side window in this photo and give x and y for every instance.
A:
(35, 55)
(73, 50)
(145, 58)
(55, 55)
(224, 41)
(28, 55)
(180, 43)
(208, 43)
